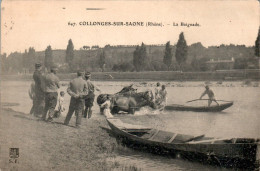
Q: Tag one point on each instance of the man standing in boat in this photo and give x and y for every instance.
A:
(210, 94)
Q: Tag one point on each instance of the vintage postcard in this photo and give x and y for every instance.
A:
(130, 85)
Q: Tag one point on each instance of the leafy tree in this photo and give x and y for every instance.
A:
(25, 59)
(202, 63)
(136, 58)
(181, 50)
(195, 64)
(257, 44)
(48, 61)
(167, 59)
(70, 52)
(3, 63)
(28, 58)
(143, 56)
(125, 66)
(31, 58)
(102, 61)
(140, 59)
(240, 63)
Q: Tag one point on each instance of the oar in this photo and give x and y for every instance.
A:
(207, 99)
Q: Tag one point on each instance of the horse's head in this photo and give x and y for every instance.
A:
(102, 98)
(147, 97)
(127, 89)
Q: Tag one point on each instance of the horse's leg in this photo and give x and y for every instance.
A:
(132, 106)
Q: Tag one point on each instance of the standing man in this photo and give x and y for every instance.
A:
(90, 97)
(162, 97)
(210, 94)
(78, 90)
(156, 91)
(51, 82)
(39, 92)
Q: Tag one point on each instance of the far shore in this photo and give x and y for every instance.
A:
(221, 75)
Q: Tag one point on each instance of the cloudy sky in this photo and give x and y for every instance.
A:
(42, 23)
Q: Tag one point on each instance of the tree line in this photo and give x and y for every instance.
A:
(134, 58)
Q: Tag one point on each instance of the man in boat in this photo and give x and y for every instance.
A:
(78, 90)
(39, 90)
(52, 85)
(90, 97)
(210, 94)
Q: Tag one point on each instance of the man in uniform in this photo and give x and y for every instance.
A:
(210, 94)
(51, 82)
(39, 93)
(90, 97)
(78, 90)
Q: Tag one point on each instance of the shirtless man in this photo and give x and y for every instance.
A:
(210, 94)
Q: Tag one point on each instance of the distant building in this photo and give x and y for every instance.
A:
(86, 47)
(213, 65)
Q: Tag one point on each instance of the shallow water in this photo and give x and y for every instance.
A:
(240, 120)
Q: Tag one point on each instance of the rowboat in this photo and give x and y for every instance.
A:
(226, 152)
(213, 108)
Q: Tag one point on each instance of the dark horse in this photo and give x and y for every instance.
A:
(127, 100)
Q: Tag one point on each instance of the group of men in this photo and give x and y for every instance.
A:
(161, 95)
(46, 87)
(81, 90)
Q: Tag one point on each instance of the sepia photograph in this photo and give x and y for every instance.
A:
(124, 85)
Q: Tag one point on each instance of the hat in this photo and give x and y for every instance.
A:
(206, 86)
(87, 74)
(80, 72)
(38, 65)
(158, 84)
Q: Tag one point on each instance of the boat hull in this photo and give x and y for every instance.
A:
(199, 109)
(226, 155)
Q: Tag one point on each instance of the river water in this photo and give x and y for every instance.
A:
(240, 120)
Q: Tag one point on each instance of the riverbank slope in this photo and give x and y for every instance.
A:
(53, 146)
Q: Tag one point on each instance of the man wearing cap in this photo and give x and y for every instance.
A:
(51, 82)
(90, 97)
(78, 90)
(210, 94)
(39, 93)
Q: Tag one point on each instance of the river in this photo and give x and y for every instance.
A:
(240, 120)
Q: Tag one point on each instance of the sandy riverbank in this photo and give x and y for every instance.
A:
(53, 146)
